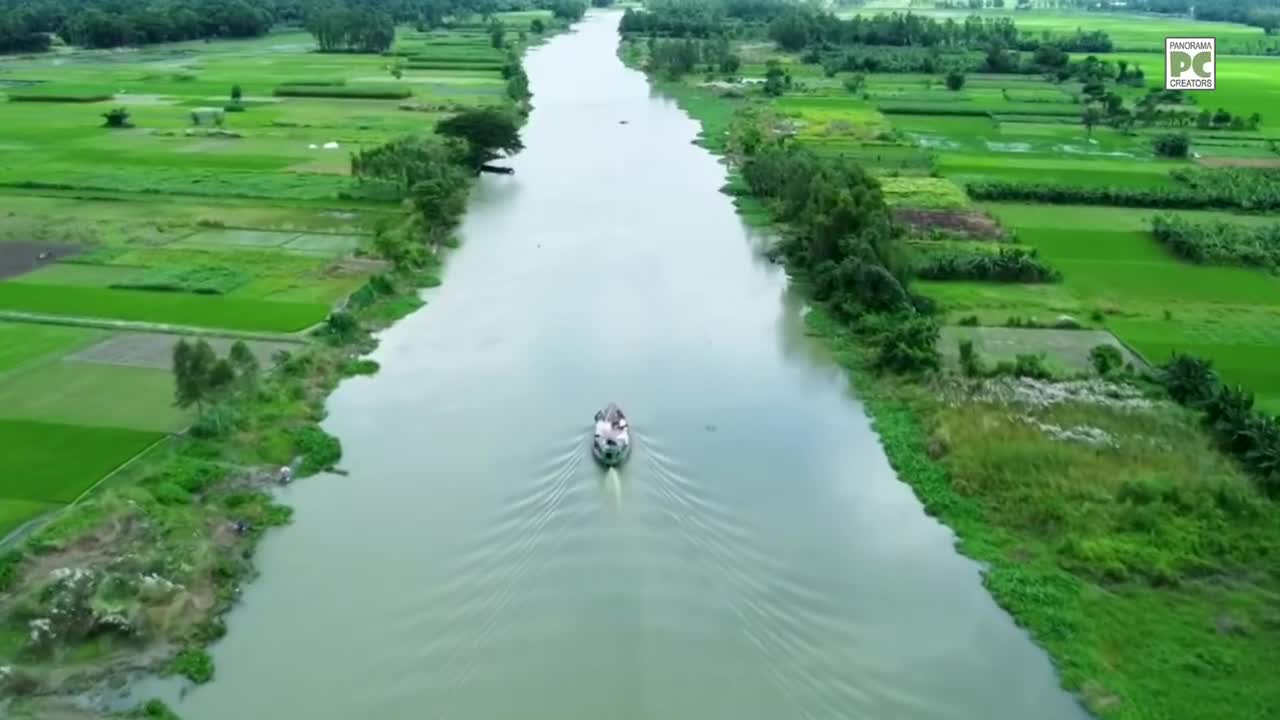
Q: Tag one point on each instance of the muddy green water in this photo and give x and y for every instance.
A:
(756, 558)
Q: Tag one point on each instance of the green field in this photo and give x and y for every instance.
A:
(21, 344)
(163, 308)
(47, 464)
(248, 226)
(76, 393)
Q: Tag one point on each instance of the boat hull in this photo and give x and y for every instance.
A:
(611, 457)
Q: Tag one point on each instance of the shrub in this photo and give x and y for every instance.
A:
(1219, 242)
(1173, 145)
(319, 450)
(1007, 265)
(970, 321)
(193, 663)
(909, 345)
(1189, 380)
(970, 362)
(1105, 358)
(117, 118)
(371, 92)
(955, 80)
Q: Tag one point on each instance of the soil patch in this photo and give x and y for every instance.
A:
(963, 222)
(155, 350)
(1246, 162)
(21, 257)
(1068, 349)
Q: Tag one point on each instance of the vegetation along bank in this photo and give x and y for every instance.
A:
(1054, 286)
(202, 237)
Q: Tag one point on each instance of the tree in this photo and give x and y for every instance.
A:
(569, 10)
(486, 131)
(855, 83)
(352, 30)
(1091, 117)
(244, 362)
(774, 79)
(497, 34)
(222, 377)
(193, 373)
(537, 27)
(236, 94)
(729, 64)
(955, 80)
(1255, 120)
(1189, 380)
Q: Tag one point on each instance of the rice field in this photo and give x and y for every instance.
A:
(249, 224)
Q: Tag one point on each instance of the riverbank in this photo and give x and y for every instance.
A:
(135, 579)
(1110, 526)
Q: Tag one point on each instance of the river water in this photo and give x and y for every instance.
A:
(755, 558)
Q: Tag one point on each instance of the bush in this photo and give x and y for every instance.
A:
(955, 80)
(1105, 358)
(1026, 365)
(1189, 380)
(370, 92)
(319, 450)
(1173, 145)
(909, 344)
(1219, 242)
(970, 362)
(1017, 265)
(193, 663)
(970, 321)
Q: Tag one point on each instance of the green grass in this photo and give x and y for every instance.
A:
(1243, 352)
(13, 512)
(171, 309)
(91, 394)
(55, 463)
(23, 343)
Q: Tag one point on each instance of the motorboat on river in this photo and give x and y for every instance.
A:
(612, 442)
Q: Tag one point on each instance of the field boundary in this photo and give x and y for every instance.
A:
(296, 338)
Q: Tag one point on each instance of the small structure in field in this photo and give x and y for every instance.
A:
(208, 117)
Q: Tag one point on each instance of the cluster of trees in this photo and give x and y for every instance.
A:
(1011, 265)
(843, 242)
(674, 58)
(433, 175)
(702, 18)
(432, 178)
(1219, 242)
(1248, 434)
(352, 29)
(1264, 14)
(108, 23)
(29, 25)
(803, 26)
(201, 377)
(1227, 188)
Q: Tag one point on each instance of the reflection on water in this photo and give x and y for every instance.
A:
(755, 558)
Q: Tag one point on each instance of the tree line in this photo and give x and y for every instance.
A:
(31, 25)
(795, 27)
(843, 243)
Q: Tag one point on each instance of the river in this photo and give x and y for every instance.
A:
(755, 558)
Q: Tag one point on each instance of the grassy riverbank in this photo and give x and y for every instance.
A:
(134, 576)
(1138, 554)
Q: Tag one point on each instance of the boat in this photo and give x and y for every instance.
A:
(612, 442)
